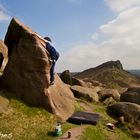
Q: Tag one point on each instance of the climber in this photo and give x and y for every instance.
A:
(54, 55)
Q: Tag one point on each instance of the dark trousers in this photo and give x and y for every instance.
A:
(52, 72)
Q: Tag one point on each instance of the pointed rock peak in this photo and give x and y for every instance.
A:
(111, 64)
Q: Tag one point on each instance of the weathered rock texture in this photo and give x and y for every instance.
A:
(67, 78)
(88, 94)
(76, 81)
(28, 70)
(130, 111)
(132, 95)
(106, 93)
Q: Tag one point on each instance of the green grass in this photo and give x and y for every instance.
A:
(28, 123)
(101, 132)
(78, 107)
(32, 123)
(92, 133)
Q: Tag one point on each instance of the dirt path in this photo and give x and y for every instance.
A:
(75, 133)
(86, 106)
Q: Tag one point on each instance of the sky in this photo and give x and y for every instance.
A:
(86, 33)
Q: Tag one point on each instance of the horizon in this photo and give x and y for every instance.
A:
(87, 33)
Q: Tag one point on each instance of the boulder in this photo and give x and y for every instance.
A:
(76, 81)
(109, 101)
(61, 98)
(66, 77)
(88, 94)
(27, 73)
(130, 96)
(130, 111)
(93, 82)
(134, 89)
(106, 93)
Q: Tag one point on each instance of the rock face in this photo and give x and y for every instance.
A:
(109, 101)
(111, 64)
(61, 98)
(130, 111)
(88, 94)
(66, 77)
(93, 82)
(132, 95)
(106, 93)
(28, 70)
(79, 82)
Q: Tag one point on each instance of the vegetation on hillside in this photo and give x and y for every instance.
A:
(25, 123)
(112, 77)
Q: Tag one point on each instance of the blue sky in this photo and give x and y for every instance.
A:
(66, 21)
(86, 32)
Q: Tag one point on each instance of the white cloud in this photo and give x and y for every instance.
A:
(121, 42)
(119, 5)
(123, 37)
(80, 57)
(125, 25)
(3, 14)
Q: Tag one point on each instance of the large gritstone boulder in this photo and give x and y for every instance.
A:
(27, 73)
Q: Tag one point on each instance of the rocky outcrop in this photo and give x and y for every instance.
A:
(27, 73)
(111, 64)
(130, 111)
(61, 98)
(76, 81)
(93, 82)
(109, 101)
(132, 95)
(66, 77)
(111, 75)
(88, 94)
(106, 93)
(134, 89)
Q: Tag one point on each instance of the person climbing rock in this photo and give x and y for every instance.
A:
(54, 55)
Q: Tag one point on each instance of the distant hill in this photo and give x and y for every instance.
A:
(111, 74)
(136, 72)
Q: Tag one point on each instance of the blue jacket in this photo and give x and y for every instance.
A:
(52, 51)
